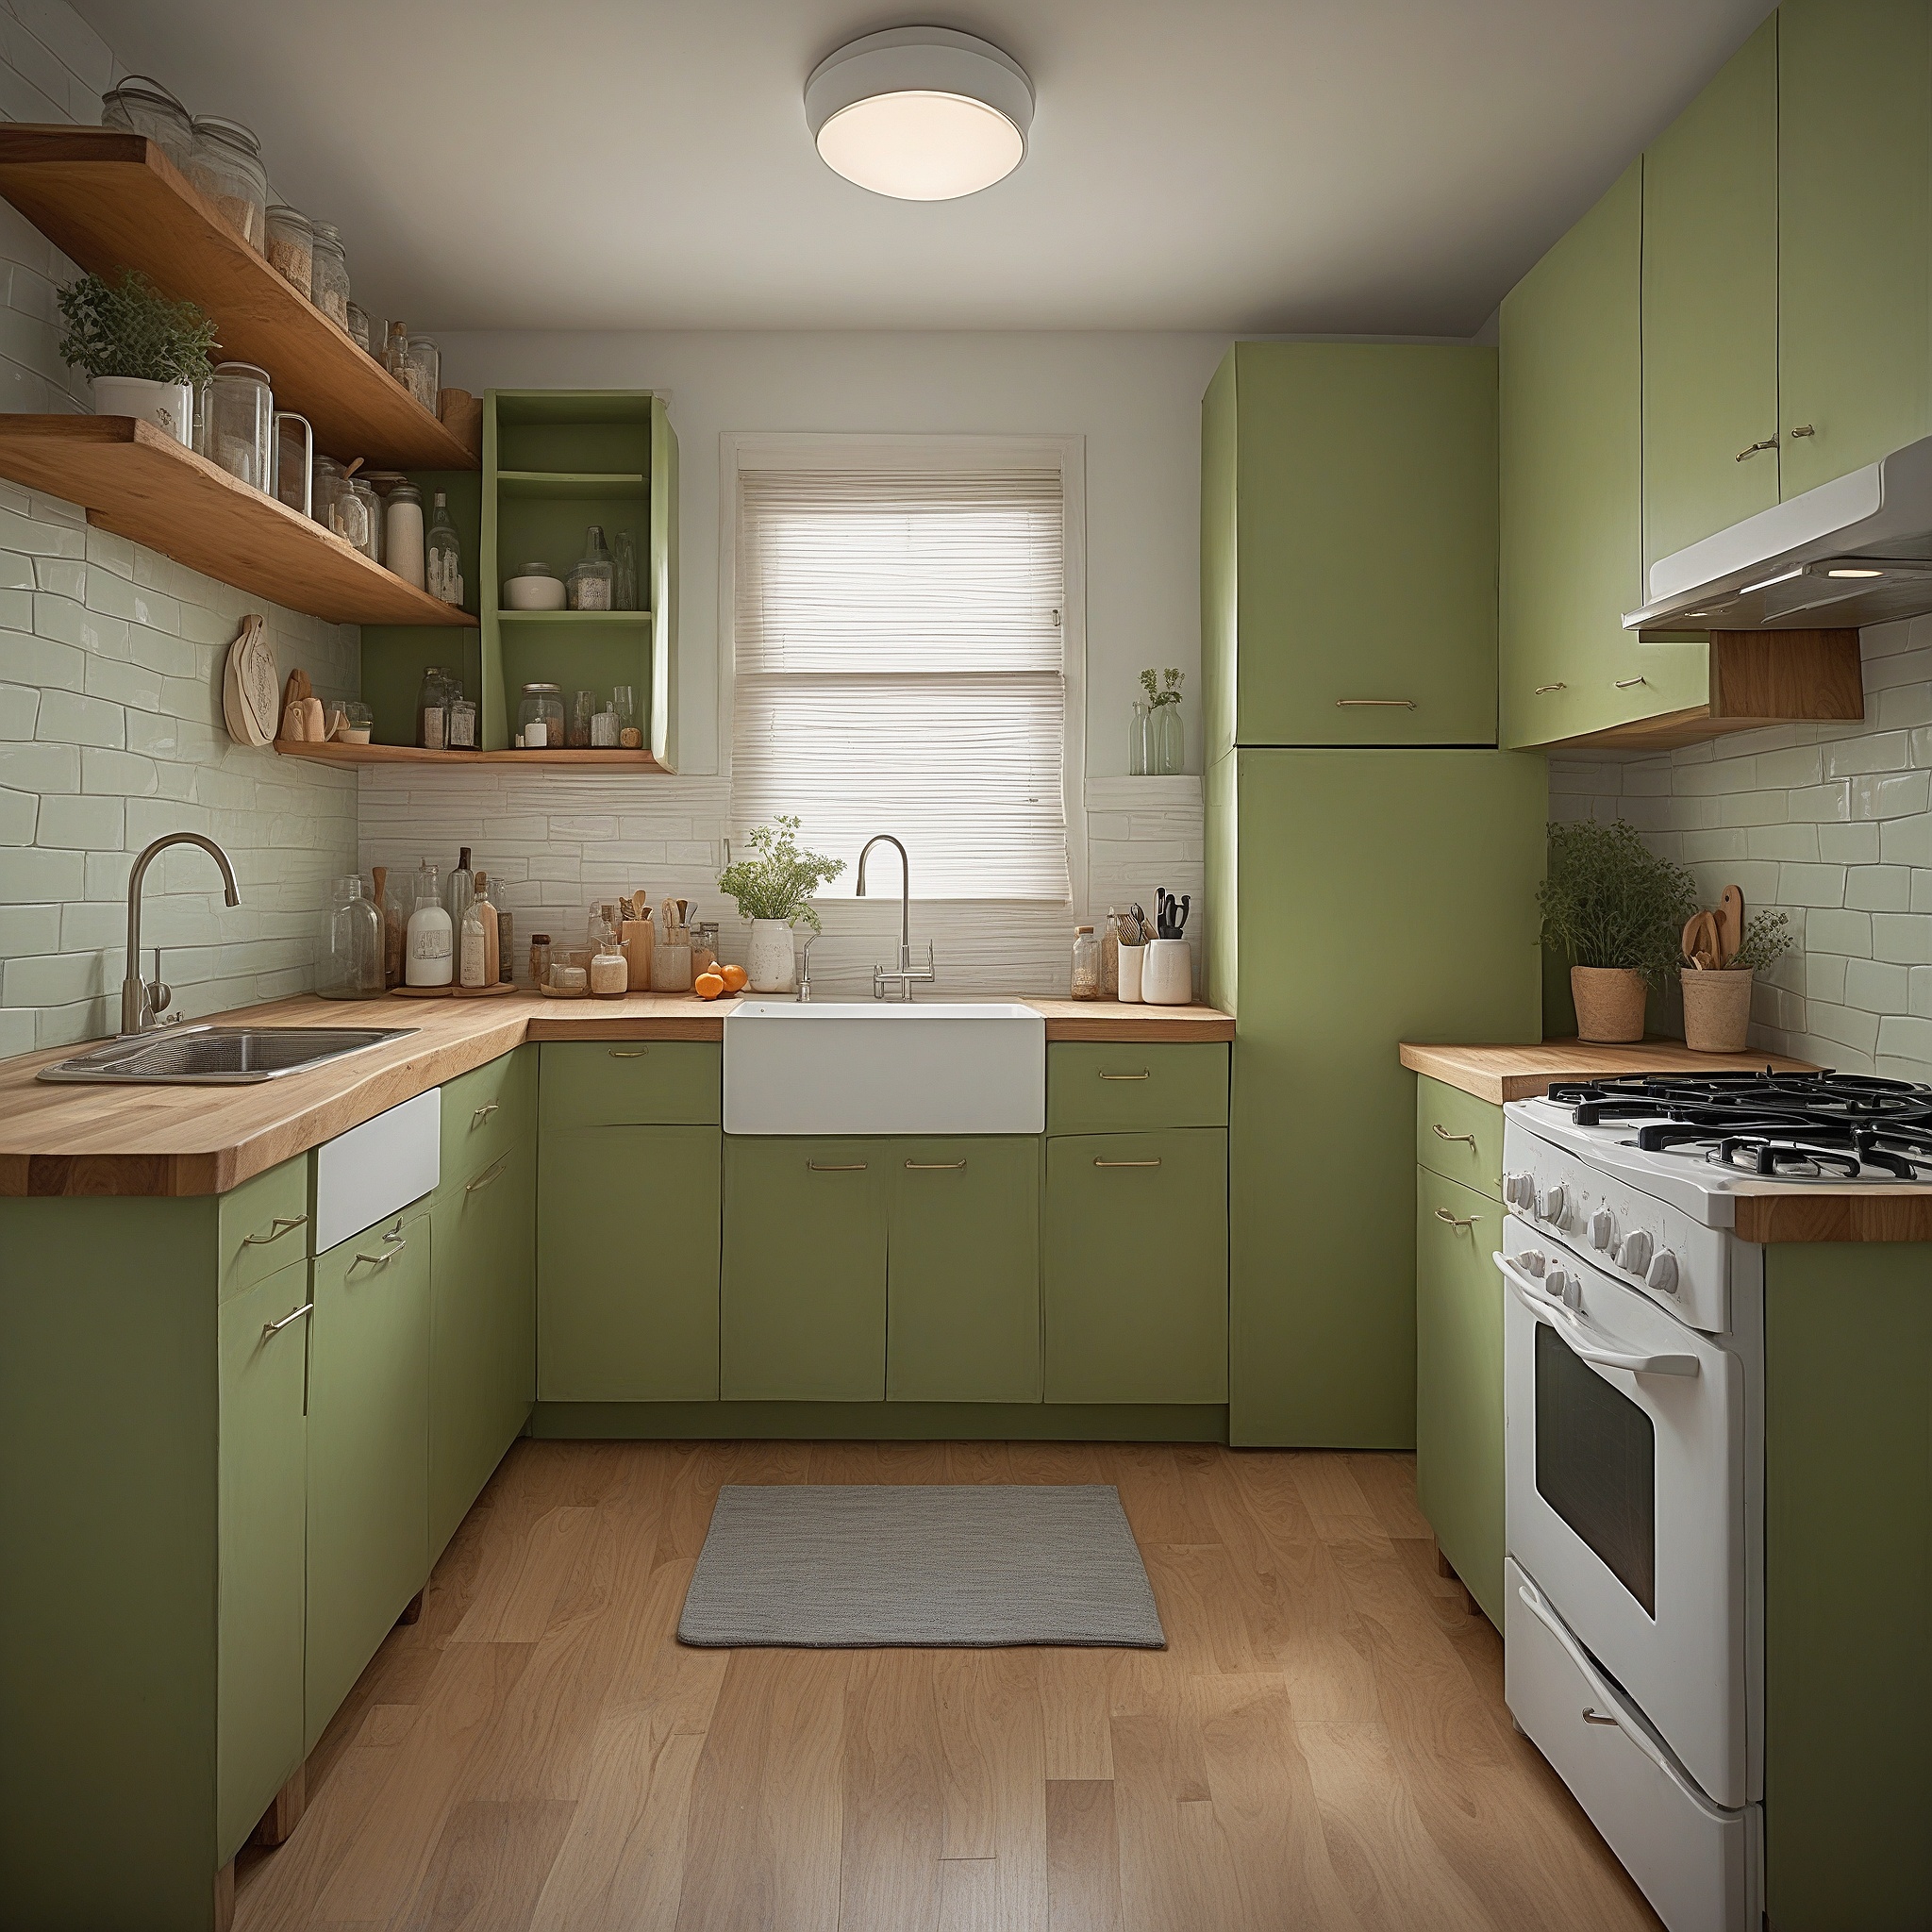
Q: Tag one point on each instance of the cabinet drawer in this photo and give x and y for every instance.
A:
(1458, 1136)
(1098, 1088)
(641, 1083)
(264, 1225)
(486, 1111)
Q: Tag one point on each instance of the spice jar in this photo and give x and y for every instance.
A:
(704, 947)
(358, 324)
(328, 278)
(403, 533)
(225, 165)
(539, 717)
(1086, 964)
(144, 106)
(422, 370)
(291, 246)
(241, 432)
(590, 582)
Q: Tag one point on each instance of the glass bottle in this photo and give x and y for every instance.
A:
(492, 929)
(351, 967)
(242, 412)
(1136, 742)
(429, 944)
(442, 560)
(473, 952)
(624, 589)
(402, 522)
(505, 942)
(1086, 964)
(1171, 741)
(461, 888)
(225, 165)
(328, 275)
(591, 582)
(432, 712)
(290, 245)
(142, 106)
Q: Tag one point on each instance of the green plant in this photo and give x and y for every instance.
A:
(1155, 695)
(1766, 939)
(778, 882)
(1609, 900)
(130, 328)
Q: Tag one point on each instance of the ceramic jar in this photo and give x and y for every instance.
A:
(1167, 973)
(771, 962)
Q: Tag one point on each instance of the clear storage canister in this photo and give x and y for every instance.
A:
(144, 106)
(291, 246)
(424, 364)
(351, 968)
(1086, 964)
(359, 326)
(539, 717)
(370, 545)
(226, 167)
(241, 434)
(328, 282)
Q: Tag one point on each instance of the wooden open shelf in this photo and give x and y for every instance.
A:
(141, 484)
(588, 619)
(332, 753)
(569, 485)
(113, 200)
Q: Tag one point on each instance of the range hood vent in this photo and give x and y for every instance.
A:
(1854, 551)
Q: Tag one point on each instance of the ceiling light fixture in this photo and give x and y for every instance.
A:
(921, 113)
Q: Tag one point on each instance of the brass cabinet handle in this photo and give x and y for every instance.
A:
(1443, 1132)
(1404, 704)
(1805, 430)
(492, 1172)
(1443, 1214)
(1142, 1075)
(934, 1166)
(634, 1052)
(380, 1260)
(831, 1166)
(482, 1114)
(268, 1328)
(1624, 683)
(1126, 1163)
(277, 1228)
(1754, 449)
(1542, 687)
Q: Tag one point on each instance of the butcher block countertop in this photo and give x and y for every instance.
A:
(178, 1140)
(1497, 1073)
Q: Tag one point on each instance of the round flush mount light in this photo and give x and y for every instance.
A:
(921, 113)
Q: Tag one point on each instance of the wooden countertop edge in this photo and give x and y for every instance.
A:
(318, 1105)
(1503, 1072)
(1818, 1214)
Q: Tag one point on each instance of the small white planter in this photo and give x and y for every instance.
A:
(770, 961)
(169, 406)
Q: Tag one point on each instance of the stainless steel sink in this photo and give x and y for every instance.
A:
(218, 1056)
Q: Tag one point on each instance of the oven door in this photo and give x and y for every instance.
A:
(1623, 1433)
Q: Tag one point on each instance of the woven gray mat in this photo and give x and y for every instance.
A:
(950, 1566)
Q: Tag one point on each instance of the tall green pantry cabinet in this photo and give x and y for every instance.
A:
(1372, 860)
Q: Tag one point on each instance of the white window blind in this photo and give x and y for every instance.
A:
(899, 669)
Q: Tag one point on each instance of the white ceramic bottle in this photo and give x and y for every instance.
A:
(427, 947)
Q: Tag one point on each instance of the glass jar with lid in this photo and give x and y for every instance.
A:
(291, 246)
(539, 717)
(144, 106)
(351, 965)
(240, 431)
(328, 283)
(358, 324)
(432, 709)
(227, 166)
(330, 487)
(1086, 964)
(592, 579)
(423, 363)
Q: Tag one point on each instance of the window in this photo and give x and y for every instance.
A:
(901, 655)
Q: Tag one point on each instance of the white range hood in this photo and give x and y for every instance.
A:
(1854, 551)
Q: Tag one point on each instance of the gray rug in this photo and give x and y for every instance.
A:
(953, 1566)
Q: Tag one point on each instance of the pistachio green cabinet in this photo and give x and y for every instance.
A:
(367, 1451)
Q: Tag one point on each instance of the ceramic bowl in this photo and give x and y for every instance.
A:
(533, 593)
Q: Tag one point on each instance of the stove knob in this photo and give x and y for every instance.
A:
(1636, 1251)
(1551, 1206)
(1600, 1228)
(1532, 1262)
(1572, 1292)
(1519, 1191)
(1663, 1272)
(1556, 1282)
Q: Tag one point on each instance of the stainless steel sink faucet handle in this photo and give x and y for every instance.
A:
(141, 1005)
(905, 975)
(158, 991)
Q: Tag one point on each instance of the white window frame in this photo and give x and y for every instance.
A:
(742, 450)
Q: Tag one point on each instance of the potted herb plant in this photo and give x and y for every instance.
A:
(1716, 999)
(773, 888)
(1619, 911)
(146, 352)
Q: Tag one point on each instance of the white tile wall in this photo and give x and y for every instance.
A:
(1831, 823)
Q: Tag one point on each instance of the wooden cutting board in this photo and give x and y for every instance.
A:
(1730, 924)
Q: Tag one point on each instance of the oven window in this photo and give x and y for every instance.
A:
(1596, 1464)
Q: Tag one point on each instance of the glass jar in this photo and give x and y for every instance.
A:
(291, 246)
(294, 464)
(462, 725)
(604, 729)
(330, 487)
(624, 589)
(539, 717)
(359, 723)
(704, 947)
(356, 322)
(1170, 741)
(402, 522)
(424, 366)
(1086, 964)
(144, 106)
(328, 278)
(432, 710)
(351, 966)
(1138, 738)
(583, 708)
(241, 433)
(442, 560)
(592, 581)
(369, 522)
(624, 701)
(227, 166)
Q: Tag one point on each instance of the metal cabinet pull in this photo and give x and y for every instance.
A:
(1624, 683)
(934, 1166)
(1126, 1163)
(277, 1228)
(634, 1052)
(1805, 430)
(492, 1172)
(1443, 1132)
(829, 1167)
(380, 1260)
(1142, 1075)
(1403, 704)
(1542, 687)
(1443, 1214)
(1592, 1716)
(482, 1114)
(1751, 450)
(268, 1328)
(395, 1234)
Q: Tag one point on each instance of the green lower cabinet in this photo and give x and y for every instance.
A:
(627, 1263)
(1459, 1393)
(482, 1328)
(1152, 1327)
(368, 1452)
(963, 1289)
(803, 1298)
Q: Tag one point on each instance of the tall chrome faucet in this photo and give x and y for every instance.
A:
(142, 1004)
(906, 975)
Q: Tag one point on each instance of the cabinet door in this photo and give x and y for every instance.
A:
(1366, 544)
(1459, 1381)
(482, 1328)
(1136, 1267)
(962, 1296)
(367, 1451)
(1855, 232)
(802, 1302)
(1711, 306)
(627, 1264)
(264, 1344)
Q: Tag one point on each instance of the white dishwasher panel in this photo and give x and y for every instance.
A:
(374, 1170)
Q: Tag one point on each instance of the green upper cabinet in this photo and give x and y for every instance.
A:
(1348, 546)
(1855, 233)
(1711, 301)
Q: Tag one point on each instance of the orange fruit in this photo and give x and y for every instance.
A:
(733, 977)
(707, 986)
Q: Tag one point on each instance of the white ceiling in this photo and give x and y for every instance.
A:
(1377, 166)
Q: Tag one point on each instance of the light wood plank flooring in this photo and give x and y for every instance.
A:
(1323, 1744)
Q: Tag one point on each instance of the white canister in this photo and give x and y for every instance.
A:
(1167, 973)
(402, 544)
(428, 946)
(1130, 974)
(169, 406)
(770, 964)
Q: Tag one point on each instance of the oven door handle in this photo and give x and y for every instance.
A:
(1573, 1337)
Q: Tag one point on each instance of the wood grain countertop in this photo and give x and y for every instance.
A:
(183, 1141)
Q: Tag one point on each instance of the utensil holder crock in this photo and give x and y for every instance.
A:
(1717, 1010)
(1167, 973)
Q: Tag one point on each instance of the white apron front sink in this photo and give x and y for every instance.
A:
(875, 1067)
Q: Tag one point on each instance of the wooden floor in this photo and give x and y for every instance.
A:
(1323, 1744)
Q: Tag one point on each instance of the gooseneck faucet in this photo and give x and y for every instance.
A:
(141, 1004)
(906, 975)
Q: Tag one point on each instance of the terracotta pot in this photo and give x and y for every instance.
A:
(1717, 1008)
(1609, 1002)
